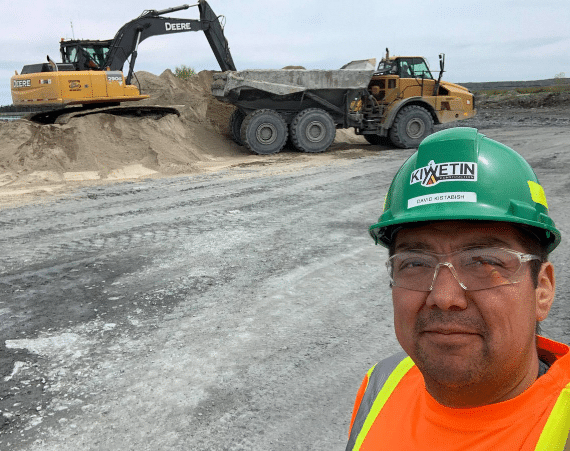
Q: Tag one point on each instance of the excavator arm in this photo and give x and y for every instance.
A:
(151, 23)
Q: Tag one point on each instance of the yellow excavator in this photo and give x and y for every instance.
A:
(91, 71)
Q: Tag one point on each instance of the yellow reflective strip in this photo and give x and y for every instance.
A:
(555, 432)
(370, 371)
(391, 383)
(537, 193)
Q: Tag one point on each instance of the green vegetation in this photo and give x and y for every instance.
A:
(184, 72)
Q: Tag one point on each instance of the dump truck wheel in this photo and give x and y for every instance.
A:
(313, 130)
(236, 119)
(377, 140)
(412, 124)
(264, 132)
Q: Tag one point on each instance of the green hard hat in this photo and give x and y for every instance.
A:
(460, 174)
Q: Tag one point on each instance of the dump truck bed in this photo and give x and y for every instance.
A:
(289, 90)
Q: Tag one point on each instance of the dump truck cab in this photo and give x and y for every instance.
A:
(405, 101)
(404, 77)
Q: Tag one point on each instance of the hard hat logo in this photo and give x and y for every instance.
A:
(433, 173)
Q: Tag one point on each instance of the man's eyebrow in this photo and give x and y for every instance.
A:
(413, 245)
(488, 241)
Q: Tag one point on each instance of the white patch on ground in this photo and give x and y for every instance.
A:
(49, 346)
(17, 367)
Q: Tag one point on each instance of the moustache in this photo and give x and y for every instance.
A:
(440, 320)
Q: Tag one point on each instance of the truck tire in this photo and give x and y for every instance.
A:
(313, 130)
(377, 140)
(412, 124)
(236, 119)
(264, 132)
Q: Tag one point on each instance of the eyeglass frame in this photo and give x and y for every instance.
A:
(523, 258)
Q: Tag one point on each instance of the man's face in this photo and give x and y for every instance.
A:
(465, 340)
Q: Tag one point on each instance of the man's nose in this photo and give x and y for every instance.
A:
(447, 291)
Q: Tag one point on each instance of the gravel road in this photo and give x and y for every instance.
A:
(230, 311)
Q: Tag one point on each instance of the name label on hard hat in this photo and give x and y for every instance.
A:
(180, 26)
(441, 198)
(434, 173)
(22, 83)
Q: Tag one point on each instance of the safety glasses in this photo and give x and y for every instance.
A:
(474, 268)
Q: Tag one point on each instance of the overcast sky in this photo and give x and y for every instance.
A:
(486, 40)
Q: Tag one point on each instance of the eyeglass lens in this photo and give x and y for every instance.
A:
(475, 269)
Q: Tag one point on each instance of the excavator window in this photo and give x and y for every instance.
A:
(70, 55)
(97, 54)
(85, 56)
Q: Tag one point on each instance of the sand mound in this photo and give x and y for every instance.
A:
(103, 143)
(192, 97)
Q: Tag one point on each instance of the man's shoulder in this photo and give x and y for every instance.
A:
(391, 362)
(378, 375)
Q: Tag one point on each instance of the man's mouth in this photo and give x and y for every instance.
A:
(451, 331)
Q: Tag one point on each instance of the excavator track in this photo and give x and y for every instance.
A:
(64, 115)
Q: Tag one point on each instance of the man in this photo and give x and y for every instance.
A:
(467, 228)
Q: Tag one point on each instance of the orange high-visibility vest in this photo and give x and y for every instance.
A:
(393, 411)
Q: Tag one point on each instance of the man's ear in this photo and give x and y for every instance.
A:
(544, 292)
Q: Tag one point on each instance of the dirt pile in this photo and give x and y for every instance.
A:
(102, 144)
(192, 97)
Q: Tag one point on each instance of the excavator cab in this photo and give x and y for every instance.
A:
(85, 55)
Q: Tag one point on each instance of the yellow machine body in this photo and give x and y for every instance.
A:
(62, 88)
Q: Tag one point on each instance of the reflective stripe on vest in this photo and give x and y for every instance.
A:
(555, 432)
(384, 377)
(382, 381)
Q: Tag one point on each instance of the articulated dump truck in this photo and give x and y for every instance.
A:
(396, 103)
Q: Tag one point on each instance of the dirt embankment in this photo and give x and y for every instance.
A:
(523, 102)
(102, 146)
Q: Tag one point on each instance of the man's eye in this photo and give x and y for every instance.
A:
(414, 263)
(484, 261)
